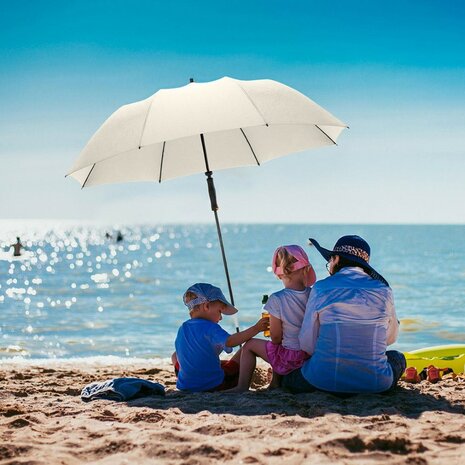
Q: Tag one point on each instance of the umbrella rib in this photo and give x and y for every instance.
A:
(154, 143)
(250, 145)
(145, 122)
(253, 104)
(84, 183)
(316, 125)
(161, 162)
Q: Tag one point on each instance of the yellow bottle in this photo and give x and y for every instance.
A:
(265, 314)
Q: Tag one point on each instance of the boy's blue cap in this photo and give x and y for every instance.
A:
(207, 293)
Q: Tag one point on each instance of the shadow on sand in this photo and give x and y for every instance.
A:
(407, 401)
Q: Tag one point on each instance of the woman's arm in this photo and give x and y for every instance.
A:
(310, 326)
(393, 322)
(309, 332)
(276, 330)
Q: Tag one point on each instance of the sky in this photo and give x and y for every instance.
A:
(393, 71)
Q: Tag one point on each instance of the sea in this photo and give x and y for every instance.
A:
(79, 293)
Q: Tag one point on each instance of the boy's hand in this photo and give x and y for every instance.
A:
(262, 324)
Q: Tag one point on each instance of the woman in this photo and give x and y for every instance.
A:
(349, 321)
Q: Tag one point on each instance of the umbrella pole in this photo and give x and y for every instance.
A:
(214, 207)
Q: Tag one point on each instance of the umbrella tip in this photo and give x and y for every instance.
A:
(191, 80)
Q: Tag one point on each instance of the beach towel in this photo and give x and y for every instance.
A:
(121, 389)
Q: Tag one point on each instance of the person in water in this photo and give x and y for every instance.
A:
(17, 246)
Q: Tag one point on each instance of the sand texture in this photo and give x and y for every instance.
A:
(43, 421)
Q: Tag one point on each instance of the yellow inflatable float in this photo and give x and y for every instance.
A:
(447, 356)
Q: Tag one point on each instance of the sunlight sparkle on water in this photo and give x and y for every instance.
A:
(76, 293)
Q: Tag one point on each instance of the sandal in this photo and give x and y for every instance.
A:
(433, 374)
(411, 375)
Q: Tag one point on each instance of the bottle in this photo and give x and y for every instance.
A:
(265, 314)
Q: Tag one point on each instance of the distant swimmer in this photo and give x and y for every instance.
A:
(17, 247)
(108, 235)
(119, 237)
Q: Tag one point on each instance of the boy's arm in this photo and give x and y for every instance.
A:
(243, 336)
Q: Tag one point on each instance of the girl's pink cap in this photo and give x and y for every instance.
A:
(302, 261)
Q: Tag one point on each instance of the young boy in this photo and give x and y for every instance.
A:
(201, 339)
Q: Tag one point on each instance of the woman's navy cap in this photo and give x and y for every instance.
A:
(355, 249)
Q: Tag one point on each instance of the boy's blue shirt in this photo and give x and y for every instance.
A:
(198, 345)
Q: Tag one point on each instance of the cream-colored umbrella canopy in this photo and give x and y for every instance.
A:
(203, 127)
(243, 123)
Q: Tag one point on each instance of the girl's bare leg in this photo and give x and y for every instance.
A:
(248, 362)
(237, 356)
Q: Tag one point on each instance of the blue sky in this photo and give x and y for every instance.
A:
(394, 71)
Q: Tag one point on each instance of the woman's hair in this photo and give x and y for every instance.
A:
(345, 262)
(285, 260)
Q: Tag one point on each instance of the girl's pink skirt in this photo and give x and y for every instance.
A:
(283, 360)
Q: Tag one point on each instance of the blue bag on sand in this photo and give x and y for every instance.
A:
(121, 389)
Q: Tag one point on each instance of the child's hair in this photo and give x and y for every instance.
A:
(285, 260)
(188, 296)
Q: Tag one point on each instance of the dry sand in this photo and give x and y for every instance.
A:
(43, 421)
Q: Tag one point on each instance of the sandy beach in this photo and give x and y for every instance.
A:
(44, 421)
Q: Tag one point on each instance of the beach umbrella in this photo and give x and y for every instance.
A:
(203, 127)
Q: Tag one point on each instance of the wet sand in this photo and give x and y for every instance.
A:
(44, 421)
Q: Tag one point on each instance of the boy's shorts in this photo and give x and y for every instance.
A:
(231, 375)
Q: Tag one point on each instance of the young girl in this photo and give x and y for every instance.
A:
(286, 307)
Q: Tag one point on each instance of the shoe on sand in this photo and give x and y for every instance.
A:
(432, 374)
(411, 375)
